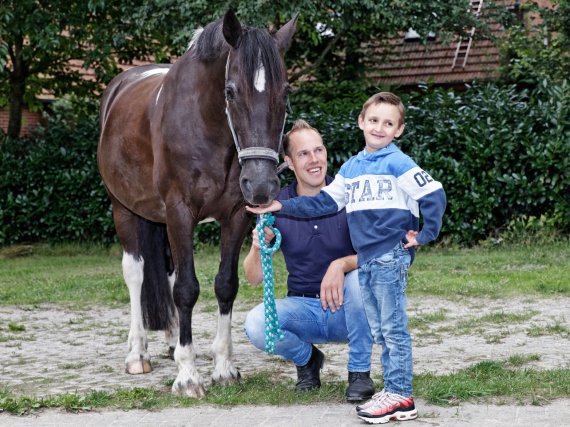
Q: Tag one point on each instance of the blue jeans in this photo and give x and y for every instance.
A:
(383, 282)
(304, 322)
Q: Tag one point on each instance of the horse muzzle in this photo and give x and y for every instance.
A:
(259, 182)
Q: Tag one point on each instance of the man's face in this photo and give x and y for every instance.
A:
(308, 158)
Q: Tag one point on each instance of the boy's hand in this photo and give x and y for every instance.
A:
(411, 238)
(274, 206)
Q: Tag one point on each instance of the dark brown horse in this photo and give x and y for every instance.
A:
(177, 144)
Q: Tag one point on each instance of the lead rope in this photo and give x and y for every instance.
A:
(272, 328)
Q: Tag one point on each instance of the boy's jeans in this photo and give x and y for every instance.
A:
(383, 282)
(304, 322)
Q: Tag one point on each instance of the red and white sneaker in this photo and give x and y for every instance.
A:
(389, 407)
(373, 401)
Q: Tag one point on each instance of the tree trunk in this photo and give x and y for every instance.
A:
(16, 106)
(17, 89)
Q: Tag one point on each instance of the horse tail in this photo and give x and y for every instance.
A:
(156, 296)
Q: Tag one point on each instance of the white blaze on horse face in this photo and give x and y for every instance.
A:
(259, 79)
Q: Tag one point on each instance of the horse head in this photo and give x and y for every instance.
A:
(256, 92)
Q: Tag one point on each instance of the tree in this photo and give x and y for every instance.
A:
(39, 38)
(39, 41)
(538, 47)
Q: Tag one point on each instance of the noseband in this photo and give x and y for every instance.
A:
(251, 152)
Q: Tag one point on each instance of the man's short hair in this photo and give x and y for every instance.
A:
(299, 124)
(387, 98)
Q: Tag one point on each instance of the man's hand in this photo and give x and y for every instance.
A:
(332, 287)
(269, 235)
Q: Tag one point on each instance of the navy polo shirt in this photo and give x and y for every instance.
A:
(309, 245)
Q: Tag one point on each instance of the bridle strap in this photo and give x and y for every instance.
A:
(251, 152)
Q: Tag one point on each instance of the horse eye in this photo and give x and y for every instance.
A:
(230, 93)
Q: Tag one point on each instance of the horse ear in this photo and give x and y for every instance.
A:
(285, 34)
(231, 28)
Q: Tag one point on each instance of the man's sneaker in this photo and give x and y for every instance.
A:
(373, 400)
(390, 406)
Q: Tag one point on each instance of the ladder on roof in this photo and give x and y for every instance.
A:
(464, 43)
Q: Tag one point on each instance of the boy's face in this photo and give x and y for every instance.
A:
(380, 125)
(308, 158)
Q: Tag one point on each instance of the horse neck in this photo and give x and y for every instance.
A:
(205, 78)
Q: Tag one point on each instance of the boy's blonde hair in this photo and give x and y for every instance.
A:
(387, 98)
(299, 124)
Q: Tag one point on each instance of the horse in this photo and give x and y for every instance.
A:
(183, 143)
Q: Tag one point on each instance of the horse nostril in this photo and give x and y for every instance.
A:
(246, 185)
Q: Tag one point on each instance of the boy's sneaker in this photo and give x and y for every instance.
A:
(373, 400)
(390, 406)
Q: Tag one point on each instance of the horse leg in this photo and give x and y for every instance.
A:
(171, 334)
(234, 231)
(138, 359)
(145, 270)
(185, 293)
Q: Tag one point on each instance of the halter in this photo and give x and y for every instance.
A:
(251, 152)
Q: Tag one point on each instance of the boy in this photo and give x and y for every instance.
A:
(383, 191)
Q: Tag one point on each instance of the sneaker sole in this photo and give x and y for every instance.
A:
(396, 416)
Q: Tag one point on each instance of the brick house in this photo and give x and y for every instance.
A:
(406, 62)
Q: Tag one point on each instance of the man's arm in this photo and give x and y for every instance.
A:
(332, 285)
(252, 262)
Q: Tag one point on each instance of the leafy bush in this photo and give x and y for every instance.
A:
(50, 189)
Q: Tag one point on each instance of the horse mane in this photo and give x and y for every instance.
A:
(255, 45)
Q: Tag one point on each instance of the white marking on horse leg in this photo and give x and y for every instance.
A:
(138, 360)
(224, 370)
(171, 334)
(259, 79)
(188, 382)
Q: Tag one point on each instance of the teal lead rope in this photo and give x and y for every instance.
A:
(272, 328)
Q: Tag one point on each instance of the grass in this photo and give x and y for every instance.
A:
(80, 276)
(498, 380)
(502, 382)
(492, 272)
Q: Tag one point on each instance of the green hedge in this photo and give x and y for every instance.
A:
(50, 189)
(502, 155)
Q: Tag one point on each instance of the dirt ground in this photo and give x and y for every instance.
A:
(48, 350)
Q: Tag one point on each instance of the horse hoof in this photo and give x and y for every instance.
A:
(196, 391)
(171, 352)
(230, 378)
(137, 367)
